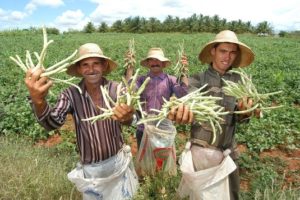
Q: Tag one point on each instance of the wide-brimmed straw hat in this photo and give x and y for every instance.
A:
(158, 54)
(89, 50)
(244, 58)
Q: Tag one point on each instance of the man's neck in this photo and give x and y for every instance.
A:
(93, 87)
(156, 73)
(219, 71)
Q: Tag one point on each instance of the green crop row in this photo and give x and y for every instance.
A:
(276, 67)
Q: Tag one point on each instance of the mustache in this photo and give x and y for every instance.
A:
(93, 73)
(154, 66)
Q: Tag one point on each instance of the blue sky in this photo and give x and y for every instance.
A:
(74, 14)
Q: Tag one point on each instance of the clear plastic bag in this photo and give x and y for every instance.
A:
(157, 150)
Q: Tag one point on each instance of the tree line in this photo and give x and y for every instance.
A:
(193, 24)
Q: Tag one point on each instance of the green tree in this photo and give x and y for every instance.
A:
(282, 33)
(233, 26)
(103, 27)
(153, 25)
(52, 31)
(89, 28)
(117, 26)
(216, 24)
(207, 24)
(249, 27)
(134, 25)
(169, 24)
(264, 27)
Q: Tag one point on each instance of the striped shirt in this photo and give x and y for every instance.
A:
(97, 141)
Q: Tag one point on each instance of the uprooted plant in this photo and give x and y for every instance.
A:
(130, 56)
(245, 89)
(181, 69)
(49, 71)
(205, 110)
(126, 93)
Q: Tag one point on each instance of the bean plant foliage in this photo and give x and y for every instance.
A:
(276, 68)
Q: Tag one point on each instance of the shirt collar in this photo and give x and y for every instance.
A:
(82, 86)
(160, 76)
(214, 72)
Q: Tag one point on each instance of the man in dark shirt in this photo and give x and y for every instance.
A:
(222, 54)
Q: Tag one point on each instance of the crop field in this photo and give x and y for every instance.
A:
(264, 170)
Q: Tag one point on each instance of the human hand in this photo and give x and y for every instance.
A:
(184, 60)
(38, 86)
(181, 114)
(129, 60)
(246, 103)
(123, 113)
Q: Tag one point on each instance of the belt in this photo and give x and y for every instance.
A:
(203, 143)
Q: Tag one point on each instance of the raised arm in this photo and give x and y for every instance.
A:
(38, 88)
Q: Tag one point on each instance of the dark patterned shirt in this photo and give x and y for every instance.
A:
(214, 85)
(97, 141)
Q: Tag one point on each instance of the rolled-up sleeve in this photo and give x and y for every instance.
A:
(53, 118)
(180, 89)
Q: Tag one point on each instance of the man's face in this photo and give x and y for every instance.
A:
(156, 66)
(223, 56)
(92, 69)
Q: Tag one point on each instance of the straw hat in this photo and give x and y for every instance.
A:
(89, 50)
(158, 54)
(243, 59)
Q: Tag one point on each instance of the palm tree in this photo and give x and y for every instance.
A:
(89, 28)
(103, 27)
(264, 27)
(117, 26)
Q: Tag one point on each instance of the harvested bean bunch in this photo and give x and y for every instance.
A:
(50, 71)
(205, 110)
(245, 89)
(127, 93)
(130, 56)
(180, 69)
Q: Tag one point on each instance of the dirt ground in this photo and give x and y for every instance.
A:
(291, 158)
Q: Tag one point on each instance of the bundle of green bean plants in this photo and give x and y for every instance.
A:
(50, 71)
(205, 110)
(130, 56)
(245, 89)
(127, 93)
(180, 69)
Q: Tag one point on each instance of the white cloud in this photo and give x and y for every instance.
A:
(11, 16)
(52, 3)
(33, 4)
(2, 13)
(17, 15)
(71, 19)
(282, 15)
(112, 10)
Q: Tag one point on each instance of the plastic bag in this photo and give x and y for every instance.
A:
(204, 158)
(157, 150)
(121, 184)
(208, 184)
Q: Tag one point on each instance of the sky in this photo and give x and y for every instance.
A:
(75, 14)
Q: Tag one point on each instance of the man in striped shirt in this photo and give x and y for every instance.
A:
(100, 140)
